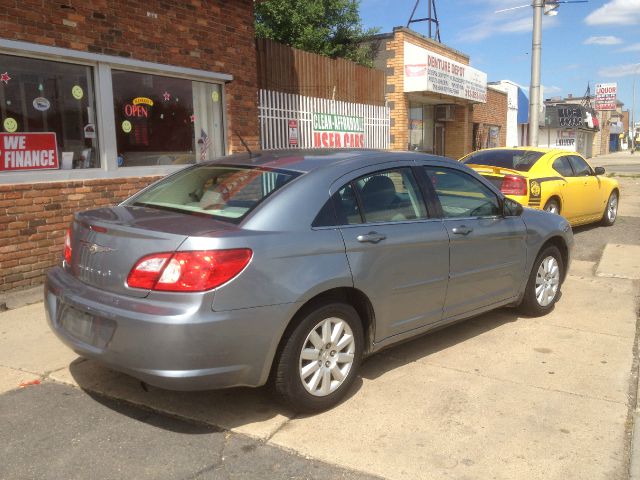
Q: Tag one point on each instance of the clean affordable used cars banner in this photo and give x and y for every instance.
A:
(337, 131)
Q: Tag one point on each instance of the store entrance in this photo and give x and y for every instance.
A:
(439, 139)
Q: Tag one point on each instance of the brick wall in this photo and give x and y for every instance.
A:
(35, 216)
(458, 132)
(494, 112)
(210, 35)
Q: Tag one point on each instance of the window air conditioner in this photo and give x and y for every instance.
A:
(444, 113)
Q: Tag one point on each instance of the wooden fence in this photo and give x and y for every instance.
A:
(285, 69)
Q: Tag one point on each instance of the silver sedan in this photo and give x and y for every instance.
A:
(290, 267)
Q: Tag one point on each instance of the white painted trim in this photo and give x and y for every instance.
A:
(22, 48)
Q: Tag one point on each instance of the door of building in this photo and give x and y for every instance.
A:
(438, 141)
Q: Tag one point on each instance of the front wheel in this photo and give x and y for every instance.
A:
(320, 358)
(543, 286)
(611, 211)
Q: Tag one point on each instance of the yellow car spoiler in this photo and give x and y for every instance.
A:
(495, 170)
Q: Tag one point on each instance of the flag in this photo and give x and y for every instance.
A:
(205, 144)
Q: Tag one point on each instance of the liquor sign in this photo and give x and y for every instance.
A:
(28, 151)
(566, 138)
(425, 71)
(606, 96)
(570, 116)
(337, 131)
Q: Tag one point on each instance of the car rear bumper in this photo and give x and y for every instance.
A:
(173, 345)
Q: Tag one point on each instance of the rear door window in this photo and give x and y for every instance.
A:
(380, 197)
(390, 196)
(563, 166)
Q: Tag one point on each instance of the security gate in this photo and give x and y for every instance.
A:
(289, 120)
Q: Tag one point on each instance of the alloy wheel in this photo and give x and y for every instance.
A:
(327, 356)
(552, 208)
(547, 281)
(612, 208)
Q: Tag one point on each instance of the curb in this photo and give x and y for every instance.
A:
(20, 298)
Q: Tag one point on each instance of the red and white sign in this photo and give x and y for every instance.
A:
(606, 96)
(28, 151)
(293, 133)
(427, 71)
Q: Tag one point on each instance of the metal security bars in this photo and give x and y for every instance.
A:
(287, 121)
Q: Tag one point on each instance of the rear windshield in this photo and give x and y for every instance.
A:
(224, 192)
(521, 160)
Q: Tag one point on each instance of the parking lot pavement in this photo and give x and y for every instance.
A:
(59, 432)
(498, 396)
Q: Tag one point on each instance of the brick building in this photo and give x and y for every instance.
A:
(489, 120)
(432, 92)
(99, 98)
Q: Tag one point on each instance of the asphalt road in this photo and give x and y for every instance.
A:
(52, 431)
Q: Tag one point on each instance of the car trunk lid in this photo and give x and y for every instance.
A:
(106, 243)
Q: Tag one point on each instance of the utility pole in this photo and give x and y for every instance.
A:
(632, 130)
(534, 90)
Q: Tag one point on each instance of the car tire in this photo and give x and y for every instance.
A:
(325, 345)
(543, 286)
(552, 206)
(611, 210)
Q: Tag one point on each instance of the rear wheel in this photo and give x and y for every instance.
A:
(320, 358)
(552, 206)
(611, 211)
(543, 286)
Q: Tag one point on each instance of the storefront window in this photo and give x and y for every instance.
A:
(47, 112)
(164, 120)
(421, 125)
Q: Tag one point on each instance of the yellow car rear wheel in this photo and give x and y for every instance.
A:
(611, 210)
(552, 206)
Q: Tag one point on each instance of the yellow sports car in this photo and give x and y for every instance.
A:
(554, 180)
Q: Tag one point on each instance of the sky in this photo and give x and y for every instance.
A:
(586, 43)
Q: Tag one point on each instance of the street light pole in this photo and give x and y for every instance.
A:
(632, 130)
(534, 90)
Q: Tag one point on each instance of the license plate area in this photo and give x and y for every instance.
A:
(85, 327)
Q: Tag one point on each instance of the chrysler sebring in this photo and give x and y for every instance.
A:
(289, 267)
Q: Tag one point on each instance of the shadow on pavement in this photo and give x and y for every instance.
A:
(230, 408)
(254, 410)
(421, 347)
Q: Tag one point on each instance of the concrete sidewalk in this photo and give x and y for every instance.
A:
(496, 397)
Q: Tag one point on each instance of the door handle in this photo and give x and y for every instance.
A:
(462, 230)
(371, 237)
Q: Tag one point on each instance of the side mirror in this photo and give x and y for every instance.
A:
(511, 208)
(599, 170)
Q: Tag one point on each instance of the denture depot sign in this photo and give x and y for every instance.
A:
(28, 151)
(606, 96)
(426, 71)
(337, 131)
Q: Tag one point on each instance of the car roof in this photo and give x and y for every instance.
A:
(307, 160)
(543, 150)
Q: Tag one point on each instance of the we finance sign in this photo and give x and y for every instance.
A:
(337, 131)
(28, 151)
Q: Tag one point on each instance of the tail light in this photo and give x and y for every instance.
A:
(194, 271)
(514, 185)
(67, 247)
